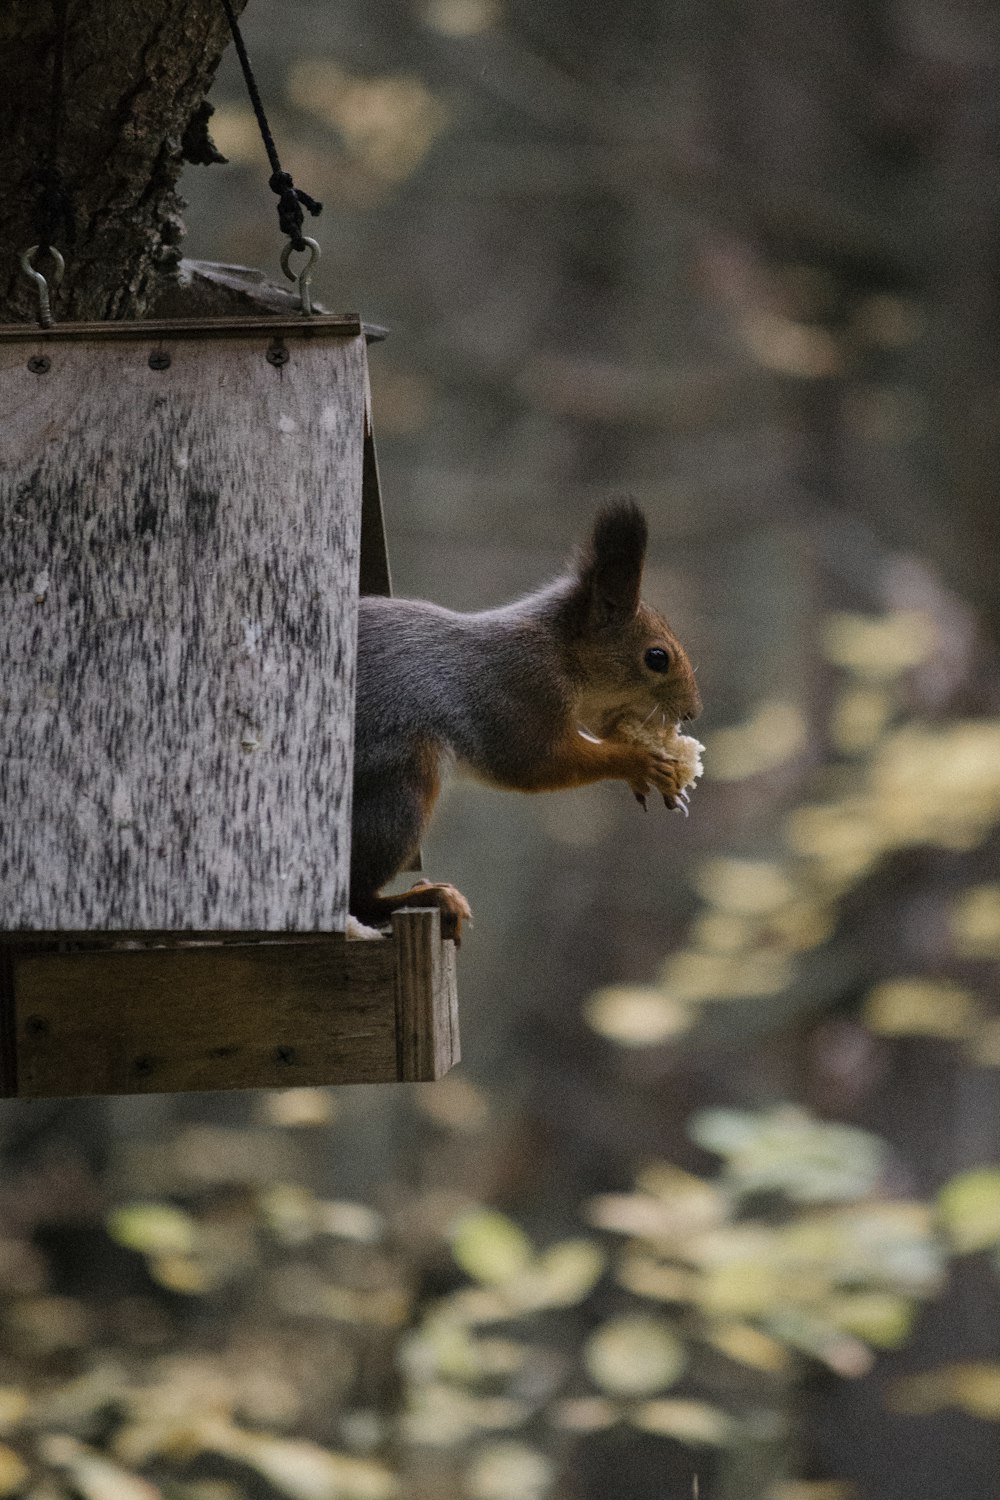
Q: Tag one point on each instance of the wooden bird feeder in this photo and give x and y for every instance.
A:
(187, 510)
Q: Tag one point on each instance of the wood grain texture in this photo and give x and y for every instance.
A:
(238, 1015)
(178, 580)
(426, 995)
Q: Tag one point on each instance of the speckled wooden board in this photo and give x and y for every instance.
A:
(178, 599)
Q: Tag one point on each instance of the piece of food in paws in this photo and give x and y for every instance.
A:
(683, 748)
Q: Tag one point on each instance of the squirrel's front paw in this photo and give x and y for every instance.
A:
(654, 770)
(450, 902)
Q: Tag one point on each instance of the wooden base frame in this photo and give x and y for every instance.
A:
(232, 1014)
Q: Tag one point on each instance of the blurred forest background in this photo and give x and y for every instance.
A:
(716, 1191)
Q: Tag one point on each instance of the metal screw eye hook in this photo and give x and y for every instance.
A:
(305, 275)
(44, 309)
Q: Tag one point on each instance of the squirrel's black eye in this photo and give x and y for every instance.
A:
(657, 660)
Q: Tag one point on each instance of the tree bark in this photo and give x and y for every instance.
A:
(136, 72)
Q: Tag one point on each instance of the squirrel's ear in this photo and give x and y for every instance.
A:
(610, 568)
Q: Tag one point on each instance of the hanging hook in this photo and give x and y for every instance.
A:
(305, 275)
(44, 307)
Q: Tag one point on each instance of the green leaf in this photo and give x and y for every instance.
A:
(969, 1208)
(489, 1247)
(153, 1228)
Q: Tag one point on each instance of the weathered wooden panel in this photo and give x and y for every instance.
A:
(178, 580)
(426, 995)
(239, 1015)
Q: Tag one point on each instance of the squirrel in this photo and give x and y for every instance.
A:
(525, 697)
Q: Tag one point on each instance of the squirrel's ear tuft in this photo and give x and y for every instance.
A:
(610, 567)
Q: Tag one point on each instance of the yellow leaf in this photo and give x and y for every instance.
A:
(859, 717)
(13, 1471)
(438, 1415)
(562, 1275)
(291, 1212)
(748, 1346)
(14, 1407)
(973, 1387)
(877, 1317)
(879, 648)
(180, 1273)
(349, 1221)
(692, 1422)
(803, 925)
(583, 1414)
(93, 1476)
(842, 839)
(976, 1389)
(816, 1336)
(634, 1356)
(647, 1277)
(497, 1413)
(724, 932)
(975, 922)
(969, 1208)
(773, 734)
(303, 1470)
(636, 1015)
(153, 1228)
(669, 1204)
(692, 976)
(295, 1108)
(742, 1288)
(744, 887)
(509, 1471)
(489, 1247)
(920, 1007)
(966, 761)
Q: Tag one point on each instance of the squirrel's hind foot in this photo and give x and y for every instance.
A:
(450, 903)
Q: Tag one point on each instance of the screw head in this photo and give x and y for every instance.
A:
(277, 354)
(159, 360)
(39, 364)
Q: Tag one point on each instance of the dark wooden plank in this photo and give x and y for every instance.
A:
(229, 1015)
(178, 577)
(426, 996)
(169, 1020)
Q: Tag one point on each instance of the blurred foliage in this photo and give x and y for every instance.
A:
(713, 257)
(232, 1353)
(762, 919)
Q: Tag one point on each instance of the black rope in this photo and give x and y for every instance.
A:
(291, 200)
(54, 210)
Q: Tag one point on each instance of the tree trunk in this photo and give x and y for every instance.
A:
(136, 73)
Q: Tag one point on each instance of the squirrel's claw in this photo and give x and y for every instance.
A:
(640, 797)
